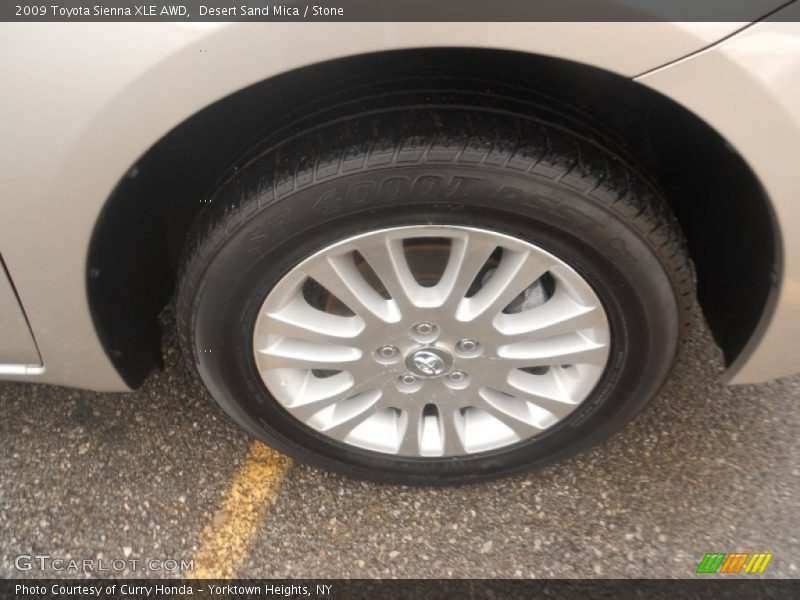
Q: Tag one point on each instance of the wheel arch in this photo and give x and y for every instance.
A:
(138, 239)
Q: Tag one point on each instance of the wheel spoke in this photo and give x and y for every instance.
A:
(451, 427)
(516, 272)
(340, 276)
(560, 314)
(299, 320)
(388, 261)
(539, 390)
(411, 431)
(512, 412)
(348, 415)
(566, 349)
(318, 394)
(299, 354)
(308, 409)
(468, 255)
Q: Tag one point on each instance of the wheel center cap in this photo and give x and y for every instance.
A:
(429, 362)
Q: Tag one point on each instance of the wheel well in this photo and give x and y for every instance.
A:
(723, 211)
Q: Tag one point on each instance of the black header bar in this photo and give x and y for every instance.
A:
(389, 10)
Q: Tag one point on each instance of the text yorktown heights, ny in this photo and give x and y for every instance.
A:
(159, 590)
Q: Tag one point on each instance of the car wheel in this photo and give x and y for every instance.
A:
(434, 295)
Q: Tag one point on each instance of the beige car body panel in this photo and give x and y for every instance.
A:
(90, 99)
(18, 352)
(748, 88)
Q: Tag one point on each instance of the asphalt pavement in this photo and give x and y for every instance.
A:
(160, 475)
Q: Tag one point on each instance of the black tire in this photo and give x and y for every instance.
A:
(534, 178)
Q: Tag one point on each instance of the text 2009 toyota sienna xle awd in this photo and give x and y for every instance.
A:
(411, 252)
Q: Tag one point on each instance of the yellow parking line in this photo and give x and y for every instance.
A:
(225, 542)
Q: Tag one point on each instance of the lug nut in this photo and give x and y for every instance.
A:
(467, 345)
(458, 376)
(408, 379)
(423, 328)
(387, 351)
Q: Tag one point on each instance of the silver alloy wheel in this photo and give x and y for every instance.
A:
(501, 343)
